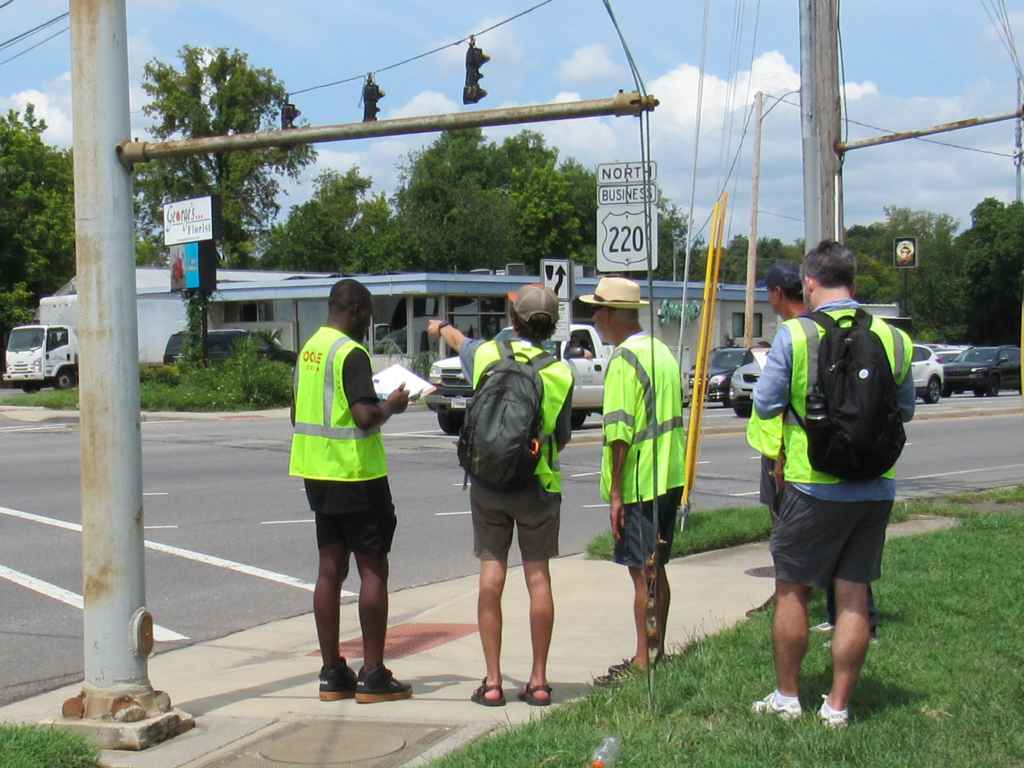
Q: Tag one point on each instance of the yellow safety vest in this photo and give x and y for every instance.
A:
(806, 335)
(327, 444)
(642, 410)
(558, 382)
(763, 436)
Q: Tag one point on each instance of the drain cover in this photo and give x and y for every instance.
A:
(335, 743)
(768, 572)
(329, 744)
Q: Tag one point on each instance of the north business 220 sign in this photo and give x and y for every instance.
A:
(627, 221)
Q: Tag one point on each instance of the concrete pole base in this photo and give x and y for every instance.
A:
(138, 735)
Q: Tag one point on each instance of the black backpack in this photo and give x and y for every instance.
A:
(500, 443)
(853, 424)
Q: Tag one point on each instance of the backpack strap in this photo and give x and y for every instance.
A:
(810, 324)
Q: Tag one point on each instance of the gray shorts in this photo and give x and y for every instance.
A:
(815, 542)
(495, 513)
(638, 540)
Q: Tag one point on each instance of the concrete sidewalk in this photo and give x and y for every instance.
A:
(254, 694)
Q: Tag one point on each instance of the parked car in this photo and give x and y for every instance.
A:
(984, 371)
(946, 353)
(741, 385)
(220, 342)
(927, 372)
(721, 364)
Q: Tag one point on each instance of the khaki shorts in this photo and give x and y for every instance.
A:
(495, 513)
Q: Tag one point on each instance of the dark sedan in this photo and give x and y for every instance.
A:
(724, 360)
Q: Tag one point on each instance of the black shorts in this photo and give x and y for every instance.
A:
(815, 542)
(359, 514)
(638, 540)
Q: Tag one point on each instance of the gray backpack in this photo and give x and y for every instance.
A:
(501, 440)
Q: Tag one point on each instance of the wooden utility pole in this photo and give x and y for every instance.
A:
(748, 313)
(820, 116)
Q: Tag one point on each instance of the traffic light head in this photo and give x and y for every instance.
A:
(371, 95)
(288, 115)
(475, 58)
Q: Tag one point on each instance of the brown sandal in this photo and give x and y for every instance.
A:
(527, 695)
(480, 695)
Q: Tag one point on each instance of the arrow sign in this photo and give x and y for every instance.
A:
(555, 275)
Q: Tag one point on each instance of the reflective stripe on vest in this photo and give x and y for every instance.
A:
(326, 444)
(806, 336)
(638, 482)
(558, 382)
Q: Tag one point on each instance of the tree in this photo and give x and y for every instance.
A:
(340, 229)
(37, 227)
(993, 257)
(216, 93)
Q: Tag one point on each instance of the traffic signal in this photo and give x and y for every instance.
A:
(288, 114)
(475, 58)
(371, 95)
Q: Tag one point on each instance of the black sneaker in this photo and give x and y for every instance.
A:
(339, 683)
(380, 685)
(617, 673)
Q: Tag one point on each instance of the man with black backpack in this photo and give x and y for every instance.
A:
(517, 424)
(841, 379)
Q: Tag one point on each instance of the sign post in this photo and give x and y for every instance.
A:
(556, 274)
(625, 194)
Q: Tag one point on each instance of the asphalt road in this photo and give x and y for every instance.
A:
(231, 542)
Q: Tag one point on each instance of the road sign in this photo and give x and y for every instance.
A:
(622, 238)
(564, 320)
(904, 252)
(627, 173)
(556, 274)
(625, 233)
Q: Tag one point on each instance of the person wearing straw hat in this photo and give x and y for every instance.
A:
(643, 418)
(534, 511)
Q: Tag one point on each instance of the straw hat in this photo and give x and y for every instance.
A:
(617, 293)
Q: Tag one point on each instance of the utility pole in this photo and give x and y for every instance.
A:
(1018, 155)
(820, 116)
(748, 313)
(117, 705)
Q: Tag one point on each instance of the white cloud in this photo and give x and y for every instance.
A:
(52, 105)
(425, 103)
(589, 64)
(855, 91)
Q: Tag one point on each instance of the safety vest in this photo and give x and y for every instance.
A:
(558, 382)
(327, 444)
(806, 335)
(643, 406)
(765, 436)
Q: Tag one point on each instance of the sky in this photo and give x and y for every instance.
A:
(906, 65)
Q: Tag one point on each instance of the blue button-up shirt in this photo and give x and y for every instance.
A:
(771, 398)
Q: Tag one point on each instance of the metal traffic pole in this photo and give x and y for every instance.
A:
(117, 695)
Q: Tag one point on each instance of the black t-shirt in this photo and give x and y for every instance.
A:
(357, 378)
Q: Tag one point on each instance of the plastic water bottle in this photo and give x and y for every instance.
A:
(606, 752)
(816, 410)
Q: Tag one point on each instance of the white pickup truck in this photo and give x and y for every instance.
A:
(454, 394)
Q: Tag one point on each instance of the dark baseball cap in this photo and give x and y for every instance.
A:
(784, 275)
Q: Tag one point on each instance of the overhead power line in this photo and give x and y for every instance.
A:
(34, 30)
(423, 55)
(31, 47)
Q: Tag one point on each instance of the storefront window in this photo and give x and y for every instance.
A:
(479, 317)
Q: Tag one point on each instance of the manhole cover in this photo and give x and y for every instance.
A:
(329, 744)
(337, 743)
(767, 572)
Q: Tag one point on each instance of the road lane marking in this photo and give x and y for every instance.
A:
(160, 634)
(43, 428)
(286, 522)
(156, 493)
(160, 527)
(963, 472)
(594, 506)
(199, 557)
(704, 462)
(747, 493)
(449, 514)
(585, 474)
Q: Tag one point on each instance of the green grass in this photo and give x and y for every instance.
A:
(241, 381)
(25, 746)
(944, 688)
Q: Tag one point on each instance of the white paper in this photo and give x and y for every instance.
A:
(391, 378)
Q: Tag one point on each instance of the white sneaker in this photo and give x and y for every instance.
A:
(768, 706)
(832, 718)
(823, 627)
